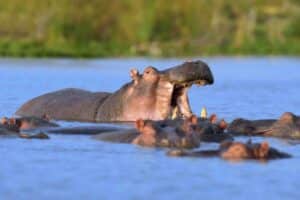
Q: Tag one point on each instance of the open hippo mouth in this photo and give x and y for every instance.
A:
(182, 78)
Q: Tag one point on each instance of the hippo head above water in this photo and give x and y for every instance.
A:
(180, 133)
(25, 123)
(153, 134)
(152, 95)
(236, 151)
(287, 126)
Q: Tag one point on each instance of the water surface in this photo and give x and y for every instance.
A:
(78, 167)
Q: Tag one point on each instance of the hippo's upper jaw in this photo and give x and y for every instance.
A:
(181, 78)
(189, 73)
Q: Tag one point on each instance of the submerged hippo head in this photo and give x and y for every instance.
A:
(287, 126)
(211, 130)
(152, 134)
(23, 123)
(11, 124)
(236, 151)
(242, 126)
(249, 150)
(154, 94)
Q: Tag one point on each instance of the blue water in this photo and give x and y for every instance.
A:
(78, 167)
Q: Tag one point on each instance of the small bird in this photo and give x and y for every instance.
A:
(203, 113)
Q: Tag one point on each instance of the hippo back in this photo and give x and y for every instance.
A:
(67, 104)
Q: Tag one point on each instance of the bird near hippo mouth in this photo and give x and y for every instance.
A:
(154, 95)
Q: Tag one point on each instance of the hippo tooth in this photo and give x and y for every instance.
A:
(174, 113)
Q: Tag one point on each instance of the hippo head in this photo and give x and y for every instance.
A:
(211, 126)
(260, 151)
(238, 150)
(23, 123)
(11, 124)
(288, 118)
(152, 134)
(211, 130)
(156, 94)
(288, 125)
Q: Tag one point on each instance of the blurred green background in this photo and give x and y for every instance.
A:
(101, 28)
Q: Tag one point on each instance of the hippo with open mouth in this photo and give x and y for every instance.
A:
(152, 95)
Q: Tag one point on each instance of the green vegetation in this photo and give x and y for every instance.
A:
(93, 28)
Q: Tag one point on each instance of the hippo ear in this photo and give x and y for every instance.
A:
(264, 147)
(263, 150)
(223, 124)
(213, 118)
(4, 120)
(134, 73)
(139, 124)
(46, 117)
(12, 121)
(193, 119)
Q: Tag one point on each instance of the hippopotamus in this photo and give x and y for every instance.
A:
(206, 129)
(149, 133)
(152, 95)
(183, 133)
(14, 126)
(25, 123)
(229, 150)
(212, 129)
(287, 126)
(4, 131)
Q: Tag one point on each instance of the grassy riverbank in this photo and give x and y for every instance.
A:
(99, 28)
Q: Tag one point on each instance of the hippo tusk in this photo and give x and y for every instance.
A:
(174, 113)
